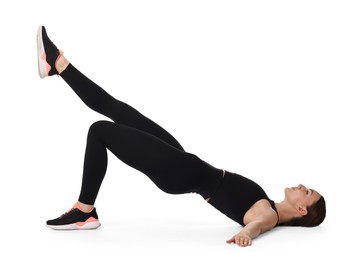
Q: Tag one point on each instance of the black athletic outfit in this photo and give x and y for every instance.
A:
(147, 147)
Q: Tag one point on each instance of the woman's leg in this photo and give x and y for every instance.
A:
(172, 170)
(100, 101)
(51, 62)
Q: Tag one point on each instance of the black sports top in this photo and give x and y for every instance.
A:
(235, 194)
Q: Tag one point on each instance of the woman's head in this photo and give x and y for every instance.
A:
(309, 204)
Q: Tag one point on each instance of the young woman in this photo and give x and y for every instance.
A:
(144, 145)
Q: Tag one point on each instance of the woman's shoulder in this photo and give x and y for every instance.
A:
(262, 210)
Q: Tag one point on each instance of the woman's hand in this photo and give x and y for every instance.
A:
(263, 222)
(241, 240)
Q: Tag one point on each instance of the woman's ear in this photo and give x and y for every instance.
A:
(302, 210)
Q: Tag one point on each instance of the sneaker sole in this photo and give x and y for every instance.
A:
(77, 226)
(42, 64)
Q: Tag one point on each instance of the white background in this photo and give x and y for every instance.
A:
(266, 89)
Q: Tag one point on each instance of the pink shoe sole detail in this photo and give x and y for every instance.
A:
(81, 224)
(48, 66)
(91, 223)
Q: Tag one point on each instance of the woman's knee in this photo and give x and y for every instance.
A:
(99, 126)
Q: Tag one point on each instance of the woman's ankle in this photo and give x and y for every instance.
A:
(85, 207)
(61, 64)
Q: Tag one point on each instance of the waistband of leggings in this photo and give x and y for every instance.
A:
(218, 185)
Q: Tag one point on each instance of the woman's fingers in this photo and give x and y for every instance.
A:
(244, 241)
(240, 240)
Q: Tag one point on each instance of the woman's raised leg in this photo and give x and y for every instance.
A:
(51, 62)
(100, 101)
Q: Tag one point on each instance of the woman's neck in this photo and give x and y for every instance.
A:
(285, 211)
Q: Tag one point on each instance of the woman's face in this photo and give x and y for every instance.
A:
(301, 196)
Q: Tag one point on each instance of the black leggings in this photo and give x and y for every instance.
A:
(137, 141)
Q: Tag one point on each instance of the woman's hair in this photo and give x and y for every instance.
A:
(316, 214)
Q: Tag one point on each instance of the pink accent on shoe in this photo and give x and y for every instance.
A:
(91, 219)
(48, 66)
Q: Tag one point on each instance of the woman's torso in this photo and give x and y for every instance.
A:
(236, 195)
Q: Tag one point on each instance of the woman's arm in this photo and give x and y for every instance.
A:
(253, 229)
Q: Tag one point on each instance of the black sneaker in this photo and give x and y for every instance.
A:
(75, 219)
(47, 54)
